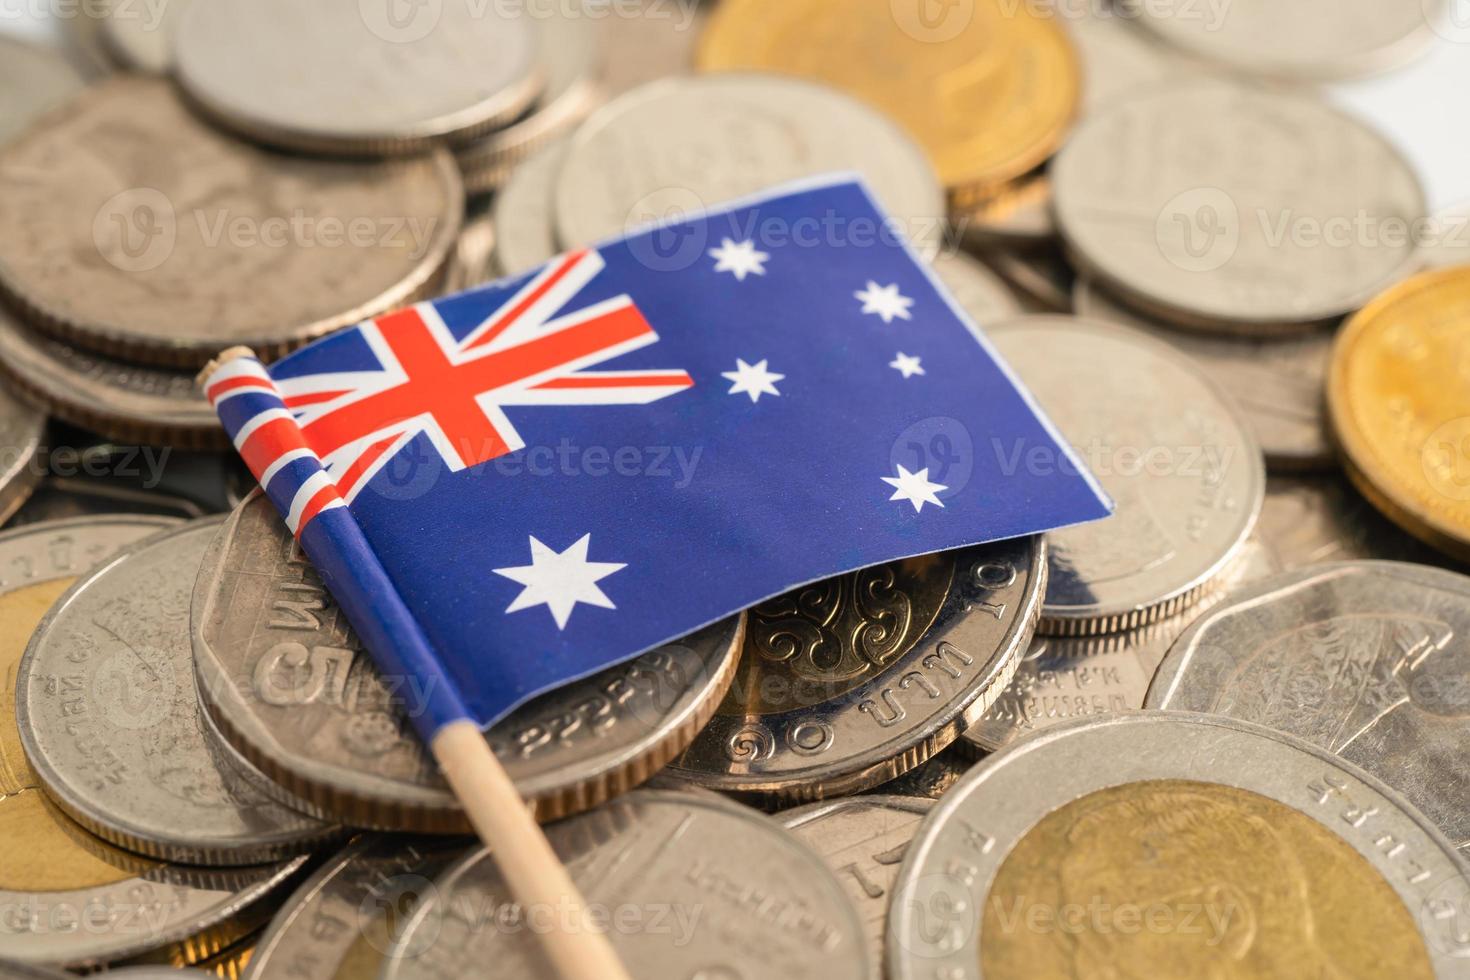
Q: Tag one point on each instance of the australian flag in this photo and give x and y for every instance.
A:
(515, 487)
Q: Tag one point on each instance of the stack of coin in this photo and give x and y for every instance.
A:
(993, 762)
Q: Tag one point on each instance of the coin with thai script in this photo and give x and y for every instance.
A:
(523, 212)
(110, 720)
(69, 897)
(570, 44)
(286, 681)
(1301, 40)
(862, 839)
(1398, 394)
(1312, 519)
(33, 80)
(981, 293)
(343, 920)
(1171, 844)
(1062, 678)
(127, 402)
(1171, 450)
(136, 230)
(1160, 199)
(350, 77)
(850, 682)
(673, 148)
(1365, 659)
(989, 91)
(1279, 383)
(688, 885)
(140, 36)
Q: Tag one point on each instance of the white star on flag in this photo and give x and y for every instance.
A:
(885, 301)
(906, 365)
(740, 258)
(753, 380)
(915, 488)
(560, 580)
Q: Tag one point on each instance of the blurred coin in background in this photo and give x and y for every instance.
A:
(987, 88)
(140, 36)
(1279, 383)
(136, 230)
(980, 292)
(1399, 399)
(1160, 198)
(1364, 659)
(1174, 454)
(358, 76)
(120, 745)
(674, 148)
(524, 218)
(33, 81)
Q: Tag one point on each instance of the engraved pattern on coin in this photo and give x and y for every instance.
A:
(285, 680)
(704, 888)
(1184, 472)
(136, 230)
(1160, 198)
(1279, 383)
(110, 720)
(884, 696)
(1106, 818)
(1365, 659)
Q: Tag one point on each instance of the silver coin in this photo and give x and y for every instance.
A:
(67, 498)
(21, 430)
(127, 402)
(1166, 444)
(657, 41)
(570, 46)
(1063, 678)
(680, 146)
(980, 292)
(473, 260)
(1180, 845)
(343, 76)
(20, 971)
(1365, 659)
(1118, 57)
(286, 681)
(33, 80)
(848, 683)
(1447, 239)
(67, 897)
(342, 920)
(691, 886)
(1300, 40)
(1160, 198)
(862, 839)
(110, 720)
(1279, 383)
(1041, 278)
(140, 36)
(523, 212)
(1309, 520)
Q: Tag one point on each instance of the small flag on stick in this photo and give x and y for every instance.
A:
(516, 487)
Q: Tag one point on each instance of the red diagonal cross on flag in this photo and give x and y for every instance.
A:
(454, 391)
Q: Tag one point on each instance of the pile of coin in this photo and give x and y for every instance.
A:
(1221, 733)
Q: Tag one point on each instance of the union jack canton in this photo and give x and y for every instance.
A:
(484, 481)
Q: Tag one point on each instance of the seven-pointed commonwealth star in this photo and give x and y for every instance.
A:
(560, 580)
(915, 488)
(885, 301)
(741, 258)
(906, 365)
(753, 380)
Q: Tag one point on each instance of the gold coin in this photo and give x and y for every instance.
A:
(989, 88)
(1399, 395)
(1180, 879)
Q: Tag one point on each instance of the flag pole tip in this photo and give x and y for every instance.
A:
(225, 357)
